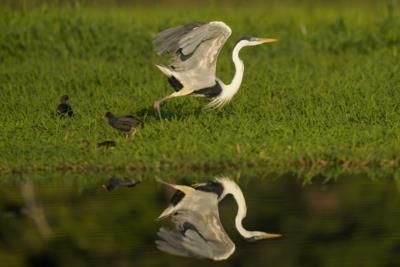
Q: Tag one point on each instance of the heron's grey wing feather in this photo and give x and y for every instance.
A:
(192, 40)
(201, 45)
(168, 248)
(198, 229)
(167, 41)
(208, 237)
(176, 243)
(194, 243)
(188, 243)
(217, 248)
(195, 64)
(196, 50)
(171, 242)
(201, 211)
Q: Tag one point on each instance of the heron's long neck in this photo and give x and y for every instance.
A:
(231, 187)
(239, 69)
(242, 210)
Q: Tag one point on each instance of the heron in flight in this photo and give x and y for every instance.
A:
(198, 230)
(195, 48)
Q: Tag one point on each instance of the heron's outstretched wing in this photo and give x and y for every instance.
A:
(195, 48)
(196, 234)
(167, 41)
(171, 242)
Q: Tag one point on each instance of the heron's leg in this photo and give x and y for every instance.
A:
(157, 108)
(157, 103)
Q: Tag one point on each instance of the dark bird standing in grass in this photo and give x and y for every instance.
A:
(126, 124)
(64, 108)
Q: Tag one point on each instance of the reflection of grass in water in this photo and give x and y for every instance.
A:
(322, 100)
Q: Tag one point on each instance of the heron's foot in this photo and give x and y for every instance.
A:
(157, 108)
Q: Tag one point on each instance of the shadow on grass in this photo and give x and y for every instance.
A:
(148, 114)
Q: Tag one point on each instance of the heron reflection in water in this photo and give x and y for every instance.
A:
(198, 230)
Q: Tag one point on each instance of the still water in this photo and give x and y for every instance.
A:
(354, 221)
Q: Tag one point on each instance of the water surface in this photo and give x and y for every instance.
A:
(354, 221)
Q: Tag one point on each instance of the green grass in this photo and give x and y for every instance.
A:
(324, 100)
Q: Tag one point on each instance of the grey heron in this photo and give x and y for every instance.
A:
(198, 230)
(195, 48)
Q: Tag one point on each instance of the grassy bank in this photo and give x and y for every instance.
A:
(324, 100)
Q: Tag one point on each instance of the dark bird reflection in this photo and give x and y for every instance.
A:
(64, 109)
(116, 182)
(13, 210)
(198, 230)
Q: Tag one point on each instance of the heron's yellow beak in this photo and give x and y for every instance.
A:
(268, 235)
(261, 236)
(267, 40)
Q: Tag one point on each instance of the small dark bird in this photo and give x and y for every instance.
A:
(115, 182)
(126, 124)
(64, 108)
(107, 144)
